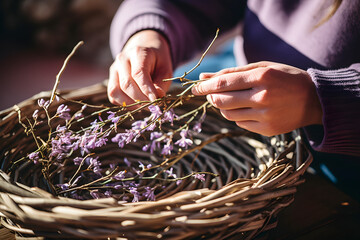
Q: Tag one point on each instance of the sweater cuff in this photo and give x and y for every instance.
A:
(339, 94)
(139, 23)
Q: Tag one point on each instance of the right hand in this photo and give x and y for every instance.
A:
(139, 69)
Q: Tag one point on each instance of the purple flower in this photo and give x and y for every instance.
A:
(120, 175)
(87, 141)
(149, 194)
(95, 194)
(143, 167)
(95, 164)
(170, 173)
(153, 146)
(168, 147)
(183, 141)
(178, 182)
(120, 139)
(78, 115)
(199, 176)
(169, 116)
(197, 127)
(63, 112)
(108, 193)
(155, 135)
(126, 137)
(139, 125)
(155, 112)
(135, 193)
(101, 141)
(44, 104)
(77, 160)
(112, 166)
(34, 156)
(112, 117)
(146, 147)
(64, 186)
(127, 162)
(35, 114)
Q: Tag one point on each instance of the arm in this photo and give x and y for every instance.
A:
(339, 94)
(188, 25)
(150, 38)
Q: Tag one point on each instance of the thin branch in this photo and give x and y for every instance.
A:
(62, 70)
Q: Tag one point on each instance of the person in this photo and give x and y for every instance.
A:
(298, 63)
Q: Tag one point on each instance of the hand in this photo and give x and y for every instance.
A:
(267, 98)
(139, 69)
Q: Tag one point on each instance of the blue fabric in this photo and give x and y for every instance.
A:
(223, 58)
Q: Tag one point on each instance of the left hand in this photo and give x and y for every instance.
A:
(265, 97)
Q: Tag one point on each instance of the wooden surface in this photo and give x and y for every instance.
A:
(320, 211)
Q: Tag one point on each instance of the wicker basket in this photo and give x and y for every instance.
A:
(258, 178)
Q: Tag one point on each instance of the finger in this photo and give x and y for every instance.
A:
(252, 126)
(115, 94)
(247, 67)
(232, 100)
(206, 75)
(140, 71)
(158, 77)
(241, 114)
(258, 127)
(127, 83)
(223, 83)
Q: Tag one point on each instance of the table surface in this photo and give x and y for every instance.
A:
(320, 211)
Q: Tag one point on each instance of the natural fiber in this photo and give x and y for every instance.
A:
(258, 178)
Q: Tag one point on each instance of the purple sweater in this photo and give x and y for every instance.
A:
(274, 30)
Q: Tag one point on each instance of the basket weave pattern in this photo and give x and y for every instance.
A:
(258, 178)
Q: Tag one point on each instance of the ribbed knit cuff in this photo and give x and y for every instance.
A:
(339, 94)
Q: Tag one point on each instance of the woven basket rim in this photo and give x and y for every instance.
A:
(223, 213)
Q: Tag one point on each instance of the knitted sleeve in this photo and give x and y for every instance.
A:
(339, 94)
(188, 25)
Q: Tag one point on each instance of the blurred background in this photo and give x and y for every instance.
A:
(37, 35)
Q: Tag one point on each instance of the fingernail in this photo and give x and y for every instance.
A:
(194, 90)
(208, 97)
(152, 97)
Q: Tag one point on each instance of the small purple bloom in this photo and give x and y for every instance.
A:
(112, 166)
(95, 194)
(197, 127)
(120, 175)
(34, 156)
(146, 147)
(135, 193)
(170, 173)
(199, 176)
(183, 141)
(101, 141)
(168, 147)
(35, 114)
(139, 125)
(63, 112)
(112, 117)
(44, 104)
(127, 162)
(155, 135)
(64, 186)
(169, 116)
(77, 160)
(155, 111)
(149, 194)
(108, 193)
